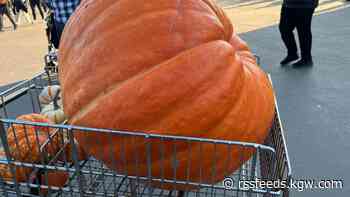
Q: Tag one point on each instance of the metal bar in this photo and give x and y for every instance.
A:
(162, 155)
(13, 88)
(3, 136)
(214, 170)
(241, 168)
(3, 186)
(149, 164)
(253, 168)
(141, 134)
(174, 163)
(282, 133)
(114, 163)
(75, 161)
(3, 106)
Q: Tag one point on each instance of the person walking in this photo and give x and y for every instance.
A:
(20, 7)
(62, 10)
(297, 14)
(33, 5)
(4, 9)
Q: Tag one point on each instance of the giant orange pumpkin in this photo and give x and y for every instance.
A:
(165, 67)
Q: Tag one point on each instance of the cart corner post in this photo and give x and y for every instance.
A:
(76, 161)
(6, 148)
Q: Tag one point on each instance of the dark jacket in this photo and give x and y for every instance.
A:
(300, 3)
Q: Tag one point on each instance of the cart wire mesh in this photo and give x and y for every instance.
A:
(90, 177)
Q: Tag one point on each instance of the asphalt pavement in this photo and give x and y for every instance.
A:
(314, 102)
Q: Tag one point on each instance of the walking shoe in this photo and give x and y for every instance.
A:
(289, 59)
(303, 62)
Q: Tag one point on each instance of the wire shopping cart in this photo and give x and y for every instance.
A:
(90, 177)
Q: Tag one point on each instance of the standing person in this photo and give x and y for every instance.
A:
(62, 10)
(19, 7)
(33, 4)
(4, 9)
(297, 14)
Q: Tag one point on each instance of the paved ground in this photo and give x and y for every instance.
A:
(22, 51)
(314, 102)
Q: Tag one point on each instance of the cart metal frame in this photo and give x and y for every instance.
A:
(91, 177)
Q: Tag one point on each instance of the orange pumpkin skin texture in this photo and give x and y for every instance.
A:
(164, 67)
(24, 143)
(21, 173)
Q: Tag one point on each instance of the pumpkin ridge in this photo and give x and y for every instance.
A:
(235, 106)
(86, 30)
(233, 68)
(251, 82)
(86, 108)
(210, 131)
(228, 28)
(73, 21)
(108, 32)
(238, 91)
(111, 31)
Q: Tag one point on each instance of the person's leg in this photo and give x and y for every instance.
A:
(32, 7)
(17, 11)
(304, 32)
(43, 4)
(24, 9)
(2, 9)
(9, 16)
(18, 16)
(38, 4)
(57, 30)
(286, 27)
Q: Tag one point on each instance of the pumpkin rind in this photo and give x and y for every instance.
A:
(164, 67)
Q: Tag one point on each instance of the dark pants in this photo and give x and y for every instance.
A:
(5, 10)
(44, 4)
(19, 5)
(299, 18)
(33, 4)
(56, 33)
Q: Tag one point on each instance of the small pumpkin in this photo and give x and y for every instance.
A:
(48, 94)
(25, 140)
(21, 173)
(54, 112)
(174, 68)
